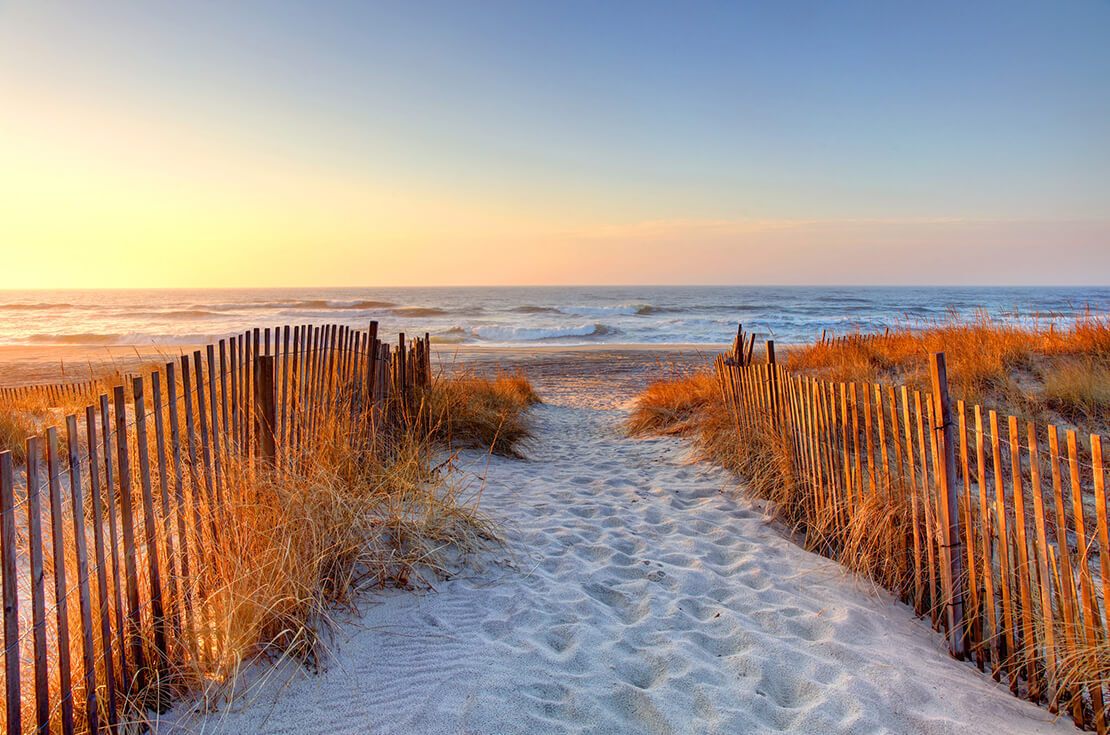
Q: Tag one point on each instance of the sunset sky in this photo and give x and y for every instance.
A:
(257, 144)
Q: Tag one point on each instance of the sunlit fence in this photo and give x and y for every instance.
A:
(994, 528)
(106, 523)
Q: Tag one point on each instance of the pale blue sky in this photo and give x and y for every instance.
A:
(957, 125)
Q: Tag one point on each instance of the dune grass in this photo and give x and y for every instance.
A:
(1049, 371)
(295, 547)
(286, 548)
(471, 411)
(15, 426)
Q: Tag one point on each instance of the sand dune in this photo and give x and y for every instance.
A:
(636, 593)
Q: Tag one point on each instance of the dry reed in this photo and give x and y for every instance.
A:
(468, 410)
(1028, 371)
(289, 545)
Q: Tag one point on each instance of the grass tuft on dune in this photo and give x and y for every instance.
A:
(1033, 372)
(471, 411)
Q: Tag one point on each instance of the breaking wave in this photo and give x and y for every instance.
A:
(539, 334)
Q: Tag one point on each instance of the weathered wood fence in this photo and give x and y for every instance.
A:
(1003, 533)
(100, 603)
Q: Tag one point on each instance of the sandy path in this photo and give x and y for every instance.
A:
(636, 593)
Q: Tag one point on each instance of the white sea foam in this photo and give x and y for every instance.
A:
(501, 333)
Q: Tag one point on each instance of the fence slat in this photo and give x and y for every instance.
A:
(38, 586)
(113, 534)
(105, 602)
(81, 552)
(150, 528)
(8, 561)
(61, 590)
(130, 554)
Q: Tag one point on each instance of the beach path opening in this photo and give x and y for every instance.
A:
(636, 592)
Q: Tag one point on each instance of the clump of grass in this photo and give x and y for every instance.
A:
(16, 425)
(468, 410)
(1079, 390)
(874, 539)
(1008, 366)
(674, 406)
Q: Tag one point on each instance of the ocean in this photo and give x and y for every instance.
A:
(526, 315)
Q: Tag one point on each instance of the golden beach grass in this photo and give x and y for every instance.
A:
(287, 548)
(1046, 371)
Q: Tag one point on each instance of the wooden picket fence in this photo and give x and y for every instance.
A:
(1006, 537)
(135, 484)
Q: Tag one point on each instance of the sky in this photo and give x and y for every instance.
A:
(485, 143)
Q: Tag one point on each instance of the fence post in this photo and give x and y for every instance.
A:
(264, 409)
(371, 362)
(773, 379)
(951, 553)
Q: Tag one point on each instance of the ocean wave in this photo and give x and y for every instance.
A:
(41, 307)
(531, 309)
(299, 304)
(419, 311)
(539, 334)
(615, 310)
(175, 314)
(448, 339)
(359, 304)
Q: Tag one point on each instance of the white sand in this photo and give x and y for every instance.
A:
(636, 593)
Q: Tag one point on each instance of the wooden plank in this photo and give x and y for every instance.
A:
(1098, 481)
(214, 427)
(9, 555)
(225, 434)
(927, 506)
(134, 609)
(61, 590)
(868, 439)
(1028, 638)
(233, 355)
(81, 552)
(205, 438)
(286, 371)
(113, 535)
(191, 442)
(967, 511)
(101, 565)
(181, 569)
(896, 437)
(150, 529)
(1003, 553)
(1069, 596)
(1092, 622)
(985, 535)
(264, 409)
(845, 448)
(38, 588)
(1047, 619)
(918, 582)
(401, 383)
(172, 587)
(853, 402)
(884, 456)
